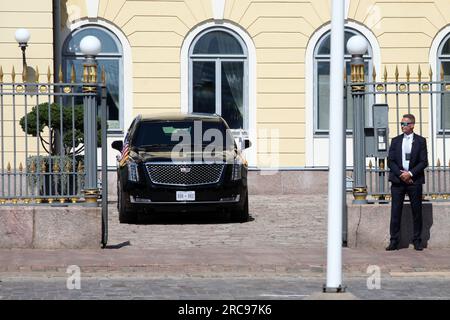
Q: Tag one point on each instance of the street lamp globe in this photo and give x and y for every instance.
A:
(357, 45)
(90, 46)
(22, 36)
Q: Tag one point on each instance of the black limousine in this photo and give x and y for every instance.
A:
(181, 163)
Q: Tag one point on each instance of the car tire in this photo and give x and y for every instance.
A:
(126, 214)
(241, 215)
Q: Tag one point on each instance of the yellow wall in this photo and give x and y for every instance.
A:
(38, 20)
(280, 31)
(36, 16)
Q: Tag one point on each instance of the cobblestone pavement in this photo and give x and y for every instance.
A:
(279, 254)
(223, 288)
(275, 220)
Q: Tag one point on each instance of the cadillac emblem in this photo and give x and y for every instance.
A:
(185, 169)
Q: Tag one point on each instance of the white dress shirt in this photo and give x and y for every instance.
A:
(406, 148)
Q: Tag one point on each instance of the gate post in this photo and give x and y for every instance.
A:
(90, 46)
(357, 46)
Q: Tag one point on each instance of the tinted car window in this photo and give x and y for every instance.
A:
(171, 133)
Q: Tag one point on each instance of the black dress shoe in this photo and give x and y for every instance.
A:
(418, 246)
(392, 246)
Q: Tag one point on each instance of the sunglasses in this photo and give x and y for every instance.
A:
(404, 124)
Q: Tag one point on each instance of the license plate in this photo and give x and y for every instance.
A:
(185, 195)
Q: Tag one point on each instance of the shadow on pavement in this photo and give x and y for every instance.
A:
(119, 245)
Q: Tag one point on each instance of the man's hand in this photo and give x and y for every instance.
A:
(406, 177)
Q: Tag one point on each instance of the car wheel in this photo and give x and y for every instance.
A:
(126, 214)
(241, 215)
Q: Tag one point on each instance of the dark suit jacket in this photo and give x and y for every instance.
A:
(417, 164)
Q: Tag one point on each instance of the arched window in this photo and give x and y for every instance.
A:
(444, 63)
(111, 58)
(322, 81)
(218, 76)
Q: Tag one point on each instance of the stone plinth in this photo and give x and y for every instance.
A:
(46, 227)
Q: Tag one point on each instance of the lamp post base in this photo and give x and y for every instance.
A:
(340, 289)
(360, 195)
(91, 196)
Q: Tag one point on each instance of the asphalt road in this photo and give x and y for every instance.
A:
(235, 288)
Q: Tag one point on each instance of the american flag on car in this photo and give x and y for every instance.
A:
(125, 151)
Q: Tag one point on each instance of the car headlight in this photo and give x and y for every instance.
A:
(237, 169)
(133, 174)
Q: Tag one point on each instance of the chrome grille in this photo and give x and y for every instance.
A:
(188, 174)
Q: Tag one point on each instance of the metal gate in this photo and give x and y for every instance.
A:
(429, 101)
(49, 133)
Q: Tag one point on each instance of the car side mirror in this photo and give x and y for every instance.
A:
(247, 144)
(118, 145)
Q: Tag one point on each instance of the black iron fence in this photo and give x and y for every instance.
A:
(45, 131)
(429, 101)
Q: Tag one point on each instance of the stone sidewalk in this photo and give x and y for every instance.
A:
(221, 262)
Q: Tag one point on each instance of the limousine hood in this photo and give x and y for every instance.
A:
(193, 156)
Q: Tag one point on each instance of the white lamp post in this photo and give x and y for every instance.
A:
(357, 47)
(336, 157)
(90, 46)
(22, 37)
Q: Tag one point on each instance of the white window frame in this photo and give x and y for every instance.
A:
(218, 59)
(250, 153)
(317, 146)
(326, 58)
(128, 103)
(441, 58)
(104, 56)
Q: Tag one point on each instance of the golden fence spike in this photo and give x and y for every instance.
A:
(49, 75)
(37, 74)
(85, 75)
(80, 166)
(8, 167)
(20, 167)
(13, 75)
(442, 72)
(438, 163)
(33, 167)
(60, 75)
(56, 167)
(430, 73)
(419, 74)
(68, 166)
(93, 74)
(104, 75)
(73, 75)
(396, 73)
(1, 74)
(374, 74)
(385, 74)
(370, 164)
(43, 166)
(352, 73)
(408, 74)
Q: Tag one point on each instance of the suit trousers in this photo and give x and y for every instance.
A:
(398, 192)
